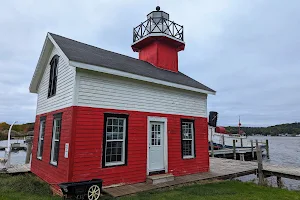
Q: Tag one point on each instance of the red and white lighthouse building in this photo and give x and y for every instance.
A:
(105, 115)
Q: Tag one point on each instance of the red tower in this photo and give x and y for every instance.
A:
(158, 40)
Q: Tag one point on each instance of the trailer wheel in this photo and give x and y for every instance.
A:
(94, 192)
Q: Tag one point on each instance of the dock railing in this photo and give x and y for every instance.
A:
(241, 151)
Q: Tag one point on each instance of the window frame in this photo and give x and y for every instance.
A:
(125, 141)
(38, 156)
(193, 150)
(52, 86)
(57, 116)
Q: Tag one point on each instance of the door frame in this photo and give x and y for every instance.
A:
(164, 120)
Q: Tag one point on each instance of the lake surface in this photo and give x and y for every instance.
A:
(284, 151)
(16, 157)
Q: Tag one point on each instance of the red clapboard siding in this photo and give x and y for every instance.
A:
(82, 128)
(89, 140)
(42, 168)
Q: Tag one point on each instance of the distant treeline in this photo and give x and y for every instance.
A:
(291, 129)
(18, 130)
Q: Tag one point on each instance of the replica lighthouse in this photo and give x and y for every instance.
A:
(104, 115)
(158, 40)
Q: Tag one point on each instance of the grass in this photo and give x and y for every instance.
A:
(28, 187)
(25, 187)
(232, 190)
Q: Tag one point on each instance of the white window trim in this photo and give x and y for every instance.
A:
(54, 140)
(193, 142)
(40, 139)
(109, 164)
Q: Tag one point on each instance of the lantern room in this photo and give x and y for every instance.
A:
(158, 40)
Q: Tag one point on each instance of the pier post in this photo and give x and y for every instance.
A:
(223, 138)
(234, 150)
(242, 157)
(260, 165)
(267, 149)
(28, 153)
(241, 142)
(212, 149)
(252, 150)
(279, 182)
(211, 143)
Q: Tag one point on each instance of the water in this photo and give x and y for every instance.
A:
(16, 157)
(284, 151)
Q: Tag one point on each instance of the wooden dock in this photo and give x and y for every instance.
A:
(231, 151)
(17, 169)
(219, 169)
(281, 171)
(17, 148)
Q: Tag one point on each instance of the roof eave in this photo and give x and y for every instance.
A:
(38, 73)
(137, 77)
(33, 82)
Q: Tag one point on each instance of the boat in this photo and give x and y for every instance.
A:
(298, 135)
(222, 139)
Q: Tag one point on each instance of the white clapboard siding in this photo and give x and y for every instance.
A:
(65, 86)
(108, 91)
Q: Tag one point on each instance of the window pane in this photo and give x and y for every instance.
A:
(115, 136)
(187, 147)
(41, 148)
(114, 132)
(41, 139)
(109, 129)
(121, 129)
(43, 129)
(115, 129)
(187, 138)
(57, 128)
(120, 136)
(156, 134)
(115, 121)
(109, 136)
(56, 148)
(187, 131)
(121, 122)
(55, 140)
(114, 151)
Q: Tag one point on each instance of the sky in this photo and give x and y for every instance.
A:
(248, 51)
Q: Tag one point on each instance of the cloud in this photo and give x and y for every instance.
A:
(246, 50)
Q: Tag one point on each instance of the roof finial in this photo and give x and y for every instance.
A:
(157, 8)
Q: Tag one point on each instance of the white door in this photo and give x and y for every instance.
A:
(156, 146)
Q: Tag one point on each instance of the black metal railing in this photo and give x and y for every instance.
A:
(158, 25)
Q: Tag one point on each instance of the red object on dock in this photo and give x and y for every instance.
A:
(220, 129)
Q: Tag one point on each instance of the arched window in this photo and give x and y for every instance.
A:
(53, 76)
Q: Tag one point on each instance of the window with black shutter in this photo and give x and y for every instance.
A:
(115, 139)
(53, 76)
(56, 131)
(41, 138)
(187, 138)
